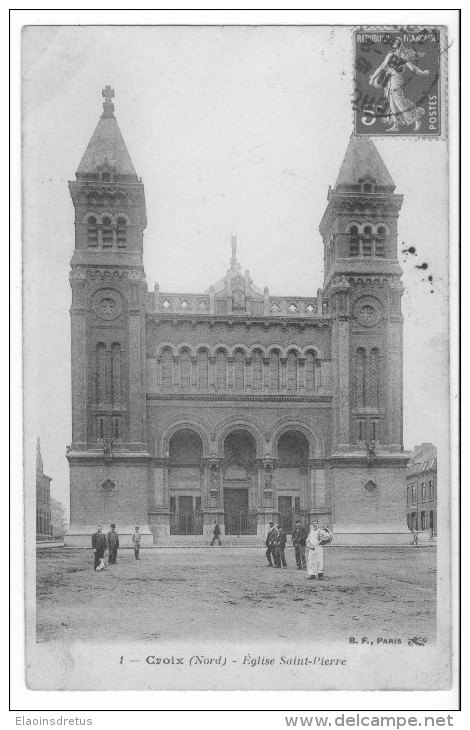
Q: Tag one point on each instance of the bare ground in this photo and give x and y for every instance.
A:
(229, 593)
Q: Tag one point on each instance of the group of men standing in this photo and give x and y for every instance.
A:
(303, 540)
(110, 542)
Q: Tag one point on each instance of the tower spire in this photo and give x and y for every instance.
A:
(233, 260)
(108, 106)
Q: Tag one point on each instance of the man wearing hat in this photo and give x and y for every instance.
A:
(112, 543)
(271, 540)
(281, 547)
(299, 538)
(98, 543)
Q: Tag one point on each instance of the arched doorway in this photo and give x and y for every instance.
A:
(184, 476)
(291, 473)
(239, 473)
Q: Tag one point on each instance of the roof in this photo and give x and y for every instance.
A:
(107, 146)
(423, 458)
(362, 159)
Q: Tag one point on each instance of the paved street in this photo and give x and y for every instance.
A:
(229, 593)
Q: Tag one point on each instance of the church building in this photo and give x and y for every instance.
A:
(235, 404)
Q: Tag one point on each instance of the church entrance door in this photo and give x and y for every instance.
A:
(237, 515)
(285, 513)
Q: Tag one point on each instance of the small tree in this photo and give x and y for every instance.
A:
(58, 518)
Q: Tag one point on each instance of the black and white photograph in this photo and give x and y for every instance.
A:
(237, 357)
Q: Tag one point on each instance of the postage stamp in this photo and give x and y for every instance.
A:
(397, 81)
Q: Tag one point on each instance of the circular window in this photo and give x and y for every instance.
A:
(368, 311)
(367, 314)
(107, 304)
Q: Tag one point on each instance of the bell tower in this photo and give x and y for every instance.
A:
(108, 455)
(363, 289)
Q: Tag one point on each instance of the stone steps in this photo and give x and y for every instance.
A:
(203, 541)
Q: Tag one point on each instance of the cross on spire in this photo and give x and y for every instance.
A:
(108, 106)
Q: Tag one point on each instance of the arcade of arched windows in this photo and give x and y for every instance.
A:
(367, 239)
(367, 377)
(288, 370)
(107, 231)
(108, 391)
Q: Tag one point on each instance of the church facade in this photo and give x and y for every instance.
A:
(235, 404)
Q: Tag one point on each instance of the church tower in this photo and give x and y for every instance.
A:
(108, 456)
(363, 291)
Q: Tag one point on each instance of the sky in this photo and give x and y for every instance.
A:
(234, 130)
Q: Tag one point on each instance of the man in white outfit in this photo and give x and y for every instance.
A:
(315, 553)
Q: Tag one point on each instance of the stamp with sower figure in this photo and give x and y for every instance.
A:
(397, 81)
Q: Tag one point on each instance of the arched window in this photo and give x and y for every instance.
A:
(407, 495)
(121, 232)
(353, 241)
(101, 372)
(380, 241)
(202, 370)
(423, 521)
(374, 377)
(274, 370)
(107, 233)
(221, 369)
(367, 241)
(116, 372)
(257, 370)
(92, 231)
(239, 368)
(360, 381)
(185, 370)
(167, 369)
(292, 370)
(310, 371)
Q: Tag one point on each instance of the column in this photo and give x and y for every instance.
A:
(159, 501)
(135, 378)
(212, 373)
(301, 374)
(79, 362)
(248, 374)
(230, 360)
(266, 374)
(176, 372)
(193, 372)
(283, 374)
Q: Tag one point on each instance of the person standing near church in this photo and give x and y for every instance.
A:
(112, 543)
(299, 538)
(315, 553)
(280, 558)
(136, 538)
(216, 534)
(98, 543)
(271, 544)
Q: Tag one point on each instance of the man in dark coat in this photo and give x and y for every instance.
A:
(299, 538)
(271, 538)
(280, 557)
(112, 543)
(98, 543)
(216, 534)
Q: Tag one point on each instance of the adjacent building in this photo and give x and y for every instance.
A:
(421, 490)
(43, 499)
(235, 404)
